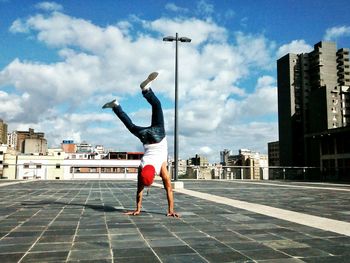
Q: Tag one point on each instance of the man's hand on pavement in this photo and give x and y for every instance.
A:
(133, 213)
(173, 214)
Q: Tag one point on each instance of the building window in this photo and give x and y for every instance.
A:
(38, 166)
(105, 170)
(25, 166)
(58, 166)
(93, 170)
(1, 152)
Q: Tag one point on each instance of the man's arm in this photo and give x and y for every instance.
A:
(139, 194)
(169, 190)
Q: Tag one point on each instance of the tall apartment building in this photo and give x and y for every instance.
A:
(314, 107)
(273, 151)
(3, 132)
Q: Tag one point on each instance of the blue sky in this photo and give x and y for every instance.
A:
(61, 61)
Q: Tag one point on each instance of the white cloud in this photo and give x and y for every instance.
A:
(100, 63)
(18, 27)
(198, 30)
(335, 32)
(295, 47)
(205, 8)
(49, 6)
(263, 101)
(175, 8)
(11, 105)
(256, 49)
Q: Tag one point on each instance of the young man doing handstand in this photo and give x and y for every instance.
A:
(154, 160)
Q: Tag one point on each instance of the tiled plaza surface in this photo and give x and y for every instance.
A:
(84, 221)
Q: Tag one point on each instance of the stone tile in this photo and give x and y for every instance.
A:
(51, 247)
(59, 232)
(278, 244)
(123, 231)
(91, 261)
(143, 259)
(116, 244)
(133, 253)
(126, 238)
(91, 245)
(166, 242)
(281, 260)
(87, 238)
(90, 232)
(10, 258)
(14, 248)
(56, 239)
(185, 258)
(265, 254)
(172, 250)
(327, 259)
(90, 254)
(304, 252)
(18, 240)
(228, 256)
(46, 257)
(243, 246)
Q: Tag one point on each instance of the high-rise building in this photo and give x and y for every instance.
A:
(314, 106)
(3, 132)
(273, 151)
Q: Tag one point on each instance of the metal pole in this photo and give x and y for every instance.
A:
(176, 146)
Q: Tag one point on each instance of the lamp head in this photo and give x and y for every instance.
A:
(185, 39)
(169, 38)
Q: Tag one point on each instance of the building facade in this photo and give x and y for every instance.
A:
(36, 141)
(313, 101)
(3, 132)
(273, 152)
(56, 166)
(246, 164)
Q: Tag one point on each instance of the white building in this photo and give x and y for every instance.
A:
(55, 166)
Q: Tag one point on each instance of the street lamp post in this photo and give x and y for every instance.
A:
(176, 134)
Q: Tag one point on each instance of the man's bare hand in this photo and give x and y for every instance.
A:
(133, 213)
(173, 214)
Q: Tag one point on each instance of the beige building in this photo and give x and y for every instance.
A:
(35, 146)
(18, 138)
(8, 159)
(56, 166)
(3, 132)
(246, 165)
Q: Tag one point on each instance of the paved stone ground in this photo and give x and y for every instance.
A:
(71, 221)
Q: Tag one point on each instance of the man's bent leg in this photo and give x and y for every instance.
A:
(157, 111)
(127, 121)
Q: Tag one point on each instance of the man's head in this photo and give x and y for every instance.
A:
(147, 174)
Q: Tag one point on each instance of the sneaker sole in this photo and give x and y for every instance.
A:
(149, 79)
(109, 104)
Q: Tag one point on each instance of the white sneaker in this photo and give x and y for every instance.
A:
(145, 84)
(110, 104)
